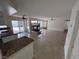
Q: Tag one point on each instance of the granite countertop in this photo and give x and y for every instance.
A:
(13, 46)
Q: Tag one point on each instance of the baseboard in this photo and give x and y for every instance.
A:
(53, 29)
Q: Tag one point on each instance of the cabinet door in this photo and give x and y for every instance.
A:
(1, 19)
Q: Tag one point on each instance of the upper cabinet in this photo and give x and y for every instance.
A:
(2, 22)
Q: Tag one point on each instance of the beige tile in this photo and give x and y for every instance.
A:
(50, 45)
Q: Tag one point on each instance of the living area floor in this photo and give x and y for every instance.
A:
(50, 45)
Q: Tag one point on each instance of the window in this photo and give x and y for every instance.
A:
(35, 21)
(18, 26)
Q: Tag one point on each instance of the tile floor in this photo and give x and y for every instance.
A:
(50, 45)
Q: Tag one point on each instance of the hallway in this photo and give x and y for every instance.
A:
(50, 45)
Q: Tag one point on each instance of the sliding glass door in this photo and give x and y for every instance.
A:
(18, 26)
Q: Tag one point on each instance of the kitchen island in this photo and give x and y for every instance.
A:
(20, 48)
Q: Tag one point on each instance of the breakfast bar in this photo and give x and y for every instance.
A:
(20, 48)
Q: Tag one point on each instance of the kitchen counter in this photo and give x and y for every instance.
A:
(13, 46)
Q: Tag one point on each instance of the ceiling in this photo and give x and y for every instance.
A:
(48, 8)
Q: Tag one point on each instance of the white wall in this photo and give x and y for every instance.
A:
(72, 31)
(67, 24)
(57, 24)
(75, 51)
